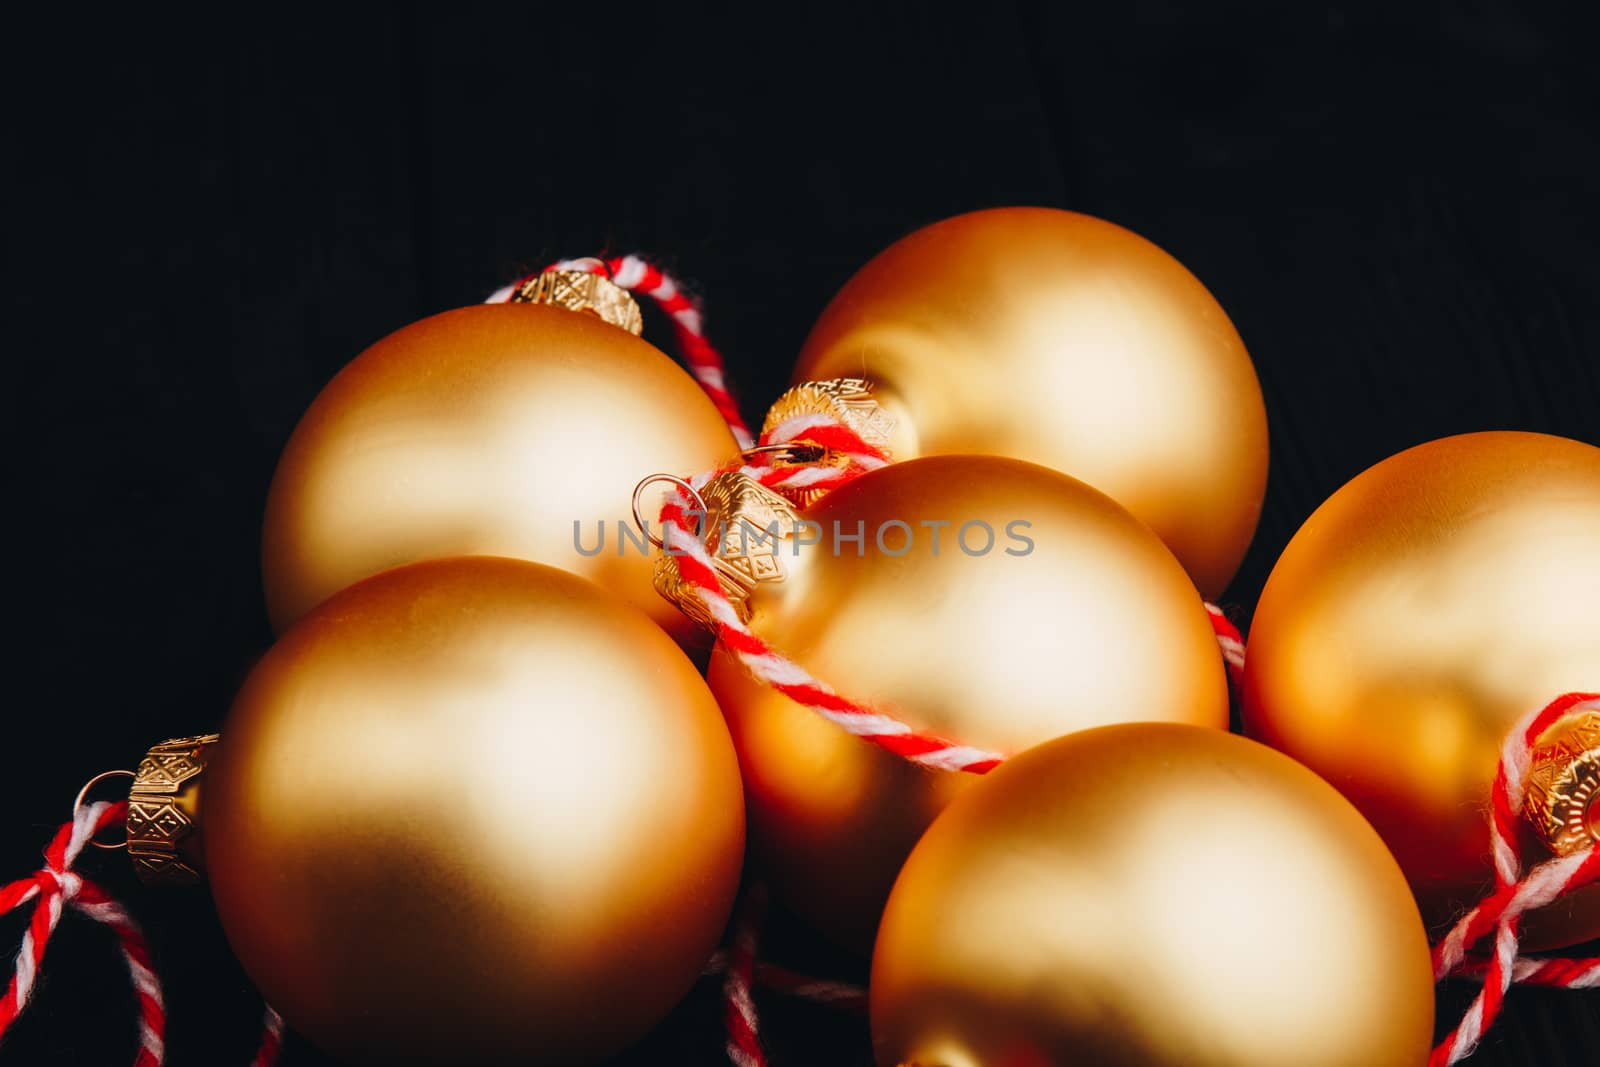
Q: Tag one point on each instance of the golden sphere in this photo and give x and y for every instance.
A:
(1064, 340)
(1151, 895)
(1422, 610)
(474, 811)
(1097, 624)
(487, 430)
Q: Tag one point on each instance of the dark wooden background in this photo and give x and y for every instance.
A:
(207, 216)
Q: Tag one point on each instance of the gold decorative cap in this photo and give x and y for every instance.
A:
(163, 806)
(577, 290)
(746, 528)
(849, 401)
(1563, 785)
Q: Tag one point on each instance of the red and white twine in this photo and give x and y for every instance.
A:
(742, 971)
(55, 886)
(1515, 893)
(1231, 642)
(1582, 972)
(271, 1038)
(738, 1009)
(773, 668)
(679, 522)
(845, 996)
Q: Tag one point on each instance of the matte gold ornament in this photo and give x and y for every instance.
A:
(1421, 611)
(1151, 895)
(488, 430)
(989, 601)
(474, 811)
(1064, 340)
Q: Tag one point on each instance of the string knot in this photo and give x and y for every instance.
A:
(66, 884)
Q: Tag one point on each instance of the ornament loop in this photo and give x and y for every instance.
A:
(77, 804)
(587, 264)
(638, 494)
(792, 453)
(742, 526)
(848, 401)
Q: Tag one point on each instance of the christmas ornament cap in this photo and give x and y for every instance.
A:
(746, 527)
(164, 842)
(582, 291)
(846, 402)
(1563, 785)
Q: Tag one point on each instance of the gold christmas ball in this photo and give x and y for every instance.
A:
(963, 630)
(474, 811)
(1064, 340)
(1416, 616)
(1151, 895)
(487, 430)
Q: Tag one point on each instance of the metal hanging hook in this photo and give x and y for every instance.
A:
(77, 804)
(638, 494)
(794, 452)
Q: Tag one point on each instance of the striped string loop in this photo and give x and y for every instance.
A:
(55, 887)
(1516, 892)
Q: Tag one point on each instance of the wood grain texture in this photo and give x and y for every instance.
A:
(207, 219)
